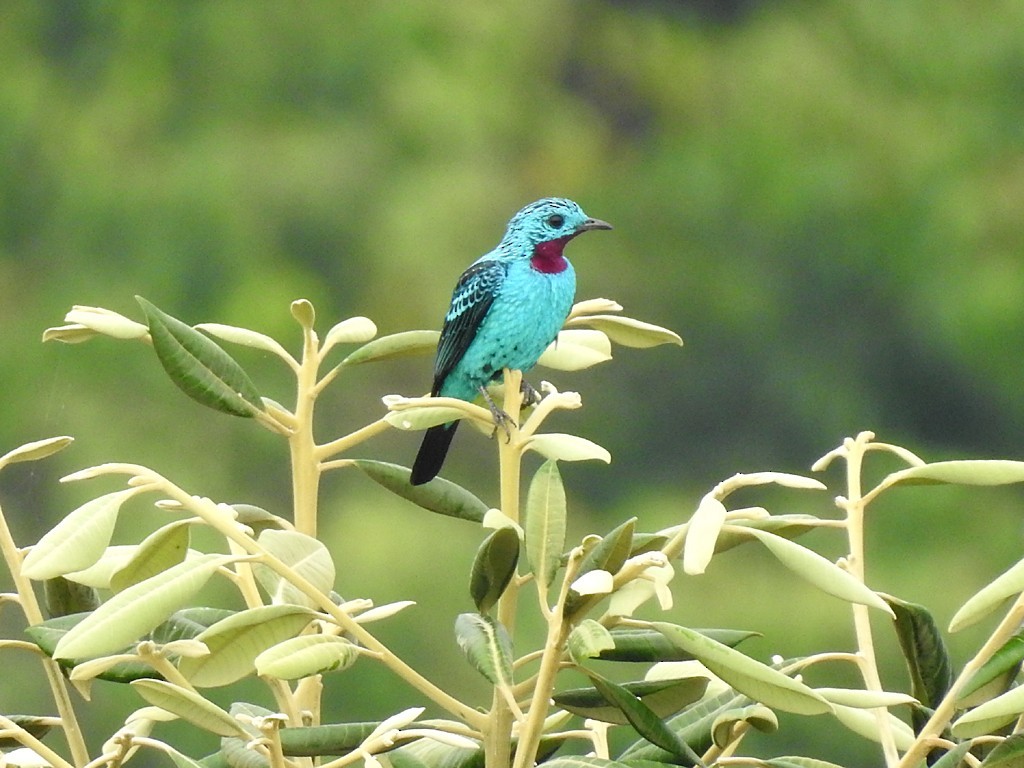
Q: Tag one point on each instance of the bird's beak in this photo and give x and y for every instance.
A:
(593, 224)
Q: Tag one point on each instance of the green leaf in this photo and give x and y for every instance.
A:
(953, 758)
(798, 762)
(692, 725)
(752, 678)
(189, 706)
(663, 697)
(257, 518)
(644, 721)
(305, 656)
(427, 753)
(964, 472)
(579, 761)
(1009, 753)
(65, 597)
(493, 567)
(629, 332)
(648, 645)
(236, 750)
(487, 646)
(822, 573)
(37, 449)
(77, 541)
(236, 641)
(545, 523)
(610, 553)
(701, 535)
(33, 724)
(1000, 669)
(989, 597)
(924, 651)
(588, 640)
(755, 715)
(786, 526)
(188, 623)
(47, 634)
(439, 495)
(988, 717)
(865, 723)
(305, 555)
(394, 345)
(130, 614)
(164, 548)
(199, 367)
(557, 446)
(336, 739)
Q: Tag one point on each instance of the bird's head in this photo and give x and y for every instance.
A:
(540, 231)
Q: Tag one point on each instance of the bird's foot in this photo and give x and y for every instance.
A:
(501, 419)
(530, 395)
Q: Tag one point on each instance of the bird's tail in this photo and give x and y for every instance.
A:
(432, 451)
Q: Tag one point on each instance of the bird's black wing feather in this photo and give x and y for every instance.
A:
(471, 300)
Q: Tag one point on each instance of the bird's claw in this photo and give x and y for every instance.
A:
(530, 395)
(501, 419)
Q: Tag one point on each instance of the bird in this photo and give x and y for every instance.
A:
(507, 307)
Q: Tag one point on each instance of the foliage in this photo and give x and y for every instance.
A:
(135, 614)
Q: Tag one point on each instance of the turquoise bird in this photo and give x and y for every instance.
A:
(505, 310)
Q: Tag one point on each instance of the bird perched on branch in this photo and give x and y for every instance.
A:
(505, 310)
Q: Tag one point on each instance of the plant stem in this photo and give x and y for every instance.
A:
(305, 466)
(498, 733)
(855, 507)
(30, 607)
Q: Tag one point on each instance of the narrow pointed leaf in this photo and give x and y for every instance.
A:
(64, 597)
(648, 645)
(1009, 753)
(487, 646)
(755, 715)
(987, 717)
(663, 697)
(162, 549)
(702, 534)
(189, 706)
(246, 338)
(394, 345)
(629, 332)
(954, 757)
(493, 567)
(545, 523)
(38, 449)
(439, 495)
(752, 678)
(77, 541)
(865, 723)
(1006, 661)
(562, 447)
(305, 656)
(576, 350)
(236, 641)
(798, 762)
(33, 724)
(189, 623)
(989, 597)
(421, 417)
(304, 555)
(924, 651)
(609, 555)
(644, 721)
(822, 573)
(589, 639)
(966, 472)
(50, 632)
(861, 699)
(786, 526)
(130, 614)
(199, 367)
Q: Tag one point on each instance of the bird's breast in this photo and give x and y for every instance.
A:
(547, 257)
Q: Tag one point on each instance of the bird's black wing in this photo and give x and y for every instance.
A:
(471, 300)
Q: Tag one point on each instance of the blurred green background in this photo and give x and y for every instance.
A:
(822, 198)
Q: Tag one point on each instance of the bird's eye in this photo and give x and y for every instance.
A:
(556, 220)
